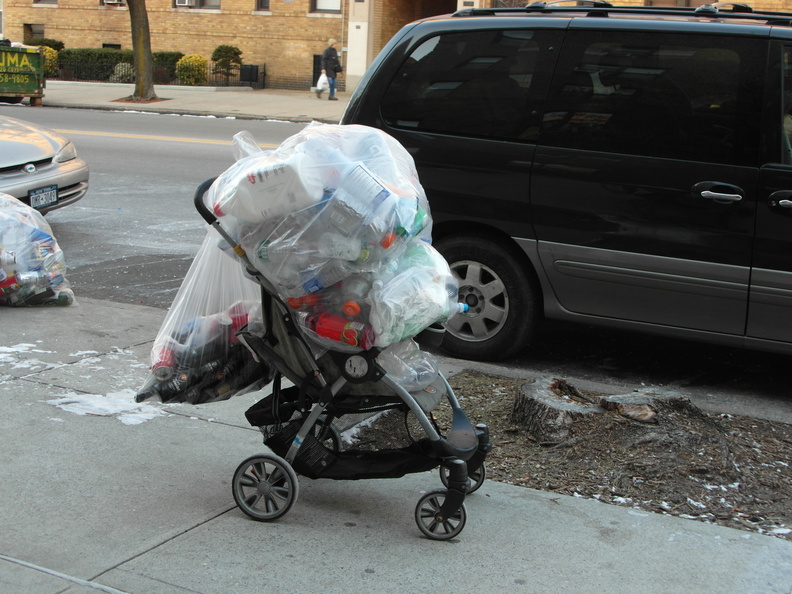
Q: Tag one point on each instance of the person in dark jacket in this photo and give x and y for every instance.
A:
(330, 68)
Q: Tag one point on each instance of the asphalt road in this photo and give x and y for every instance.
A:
(133, 237)
(135, 233)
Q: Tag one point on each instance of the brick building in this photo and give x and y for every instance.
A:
(284, 35)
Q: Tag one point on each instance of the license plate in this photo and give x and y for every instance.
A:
(43, 196)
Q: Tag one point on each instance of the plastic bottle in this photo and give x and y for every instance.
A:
(16, 282)
(282, 262)
(340, 329)
(354, 291)
(7, 257)
(268, 186)
(321, 277)
(360, 195)
(353, 215)
(335, 245)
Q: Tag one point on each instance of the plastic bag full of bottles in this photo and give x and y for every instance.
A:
(336, 219)
(32, 267)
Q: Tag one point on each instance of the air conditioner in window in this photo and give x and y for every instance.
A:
(113, 1)
(185, 2)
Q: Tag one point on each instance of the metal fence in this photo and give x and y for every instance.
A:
(249, 75)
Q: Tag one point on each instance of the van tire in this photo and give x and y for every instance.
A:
(502, 297)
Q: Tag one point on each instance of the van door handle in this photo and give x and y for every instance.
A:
(720, 197)
(782, 198)
(717, 192)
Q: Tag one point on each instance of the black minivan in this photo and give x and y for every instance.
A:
(629, 167)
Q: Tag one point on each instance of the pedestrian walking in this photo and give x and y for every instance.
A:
(331, 67)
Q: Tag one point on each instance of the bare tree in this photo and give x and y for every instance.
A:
(141, 51)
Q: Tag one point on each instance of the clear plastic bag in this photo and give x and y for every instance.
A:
(32, 267)
(337, 221)
(409, 366)
(196, 357)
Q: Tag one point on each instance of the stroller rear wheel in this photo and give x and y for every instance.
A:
(475, 478)
(265, 487)
(431, 523)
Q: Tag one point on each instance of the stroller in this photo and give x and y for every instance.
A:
(327, 386)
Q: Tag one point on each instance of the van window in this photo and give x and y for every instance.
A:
(657, 94)
(786, 103)
(490, 84)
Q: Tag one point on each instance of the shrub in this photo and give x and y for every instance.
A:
(50, 61)
(47, 42)
(191, 70)
(227, 58)
(165, 65)
(123, 73)
(93, 63)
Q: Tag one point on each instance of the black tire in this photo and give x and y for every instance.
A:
(13, 100)
(265, 487)
(503, 298)
(433, 527)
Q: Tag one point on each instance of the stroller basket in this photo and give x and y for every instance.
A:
(315, 390)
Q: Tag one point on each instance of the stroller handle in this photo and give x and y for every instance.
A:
(202, 209)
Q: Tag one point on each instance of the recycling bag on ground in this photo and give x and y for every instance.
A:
(32, 267)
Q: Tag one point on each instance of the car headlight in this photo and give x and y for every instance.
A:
(67, 153)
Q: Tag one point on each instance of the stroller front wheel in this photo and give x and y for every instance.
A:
(430, 520)
(265, 487)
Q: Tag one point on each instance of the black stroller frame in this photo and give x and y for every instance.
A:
(297, 421)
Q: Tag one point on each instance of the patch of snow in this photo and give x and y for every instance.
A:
(121, 405)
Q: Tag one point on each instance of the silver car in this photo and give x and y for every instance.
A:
(39, 166)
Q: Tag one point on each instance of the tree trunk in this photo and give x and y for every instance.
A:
(141, 50)
(547, 409)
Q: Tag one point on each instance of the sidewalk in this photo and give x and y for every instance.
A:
(241, 102)
(98, 493)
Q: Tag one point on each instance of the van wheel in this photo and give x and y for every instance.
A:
(502, 299)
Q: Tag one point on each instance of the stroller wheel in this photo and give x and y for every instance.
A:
(431, 524)
(475, 478)
(265, 487)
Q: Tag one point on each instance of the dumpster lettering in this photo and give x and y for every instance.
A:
(13, 78)
(15, 62)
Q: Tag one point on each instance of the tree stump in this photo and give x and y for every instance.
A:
(547, 408)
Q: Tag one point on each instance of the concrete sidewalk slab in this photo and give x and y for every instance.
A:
(90, 502)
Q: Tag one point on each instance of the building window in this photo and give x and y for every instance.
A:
(31, 32)
(262, 5)
(45, 1)
(210, 4)
(325, 5)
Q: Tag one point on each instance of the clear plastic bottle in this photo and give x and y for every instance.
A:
(7, 257)
(354, 291)
(335, 245)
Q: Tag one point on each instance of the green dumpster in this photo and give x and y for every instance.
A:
(21, 74)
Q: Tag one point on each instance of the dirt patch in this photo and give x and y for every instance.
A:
(138, 101)
(724, 469)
